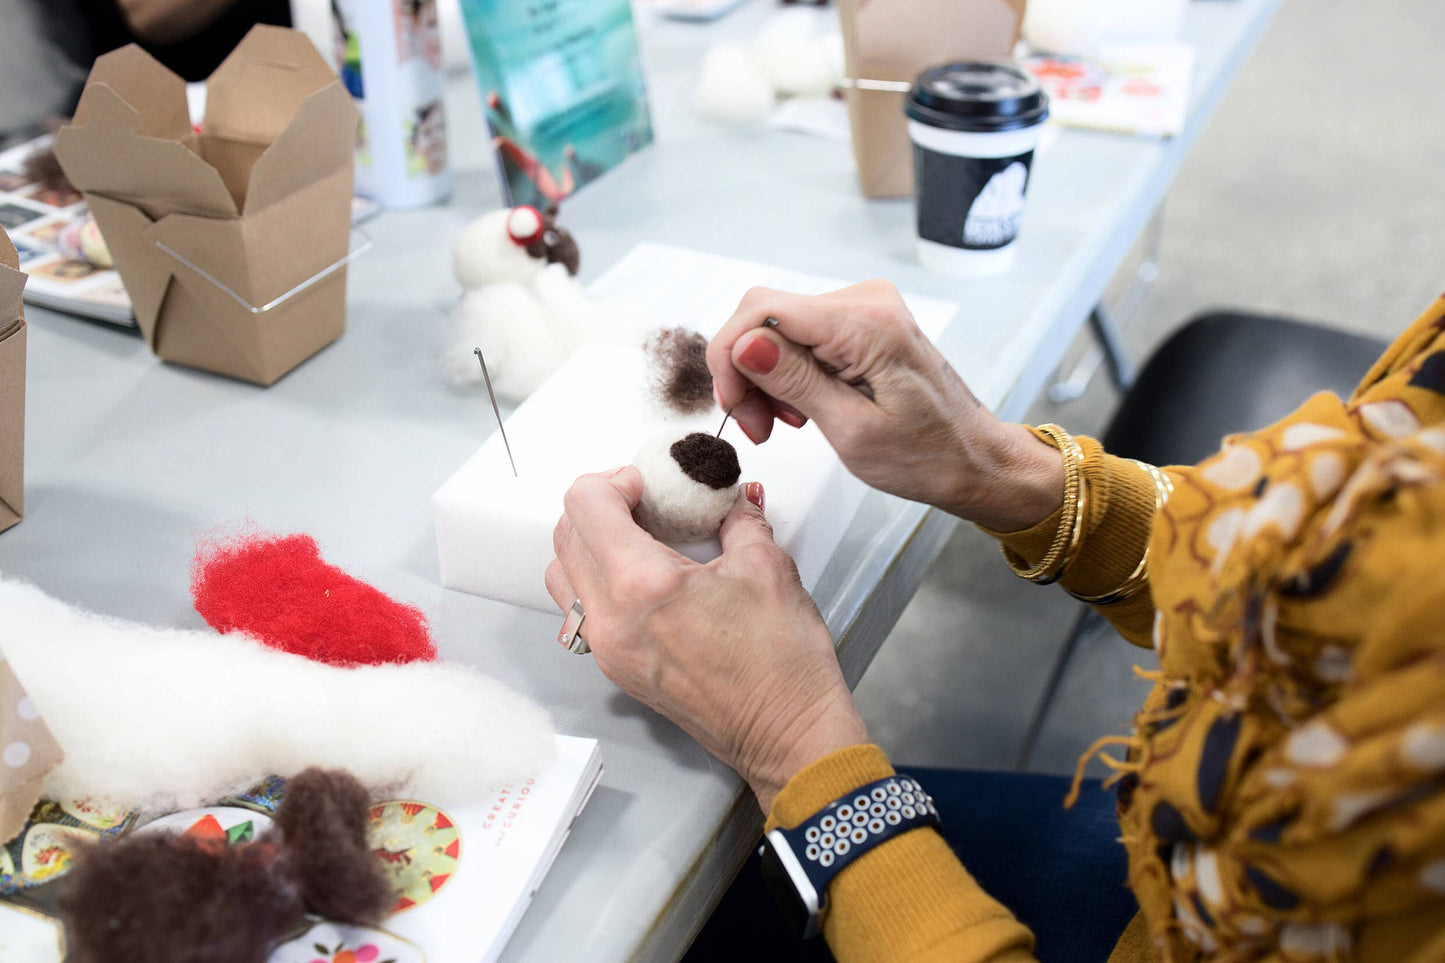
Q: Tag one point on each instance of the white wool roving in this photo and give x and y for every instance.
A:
(675, 507)
(168, 719)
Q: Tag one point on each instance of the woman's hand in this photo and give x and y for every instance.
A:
(893, 408)
(733, 651)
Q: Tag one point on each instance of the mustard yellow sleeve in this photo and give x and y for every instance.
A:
(1117, 525)
(908, 899)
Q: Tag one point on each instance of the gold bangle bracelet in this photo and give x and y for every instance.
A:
(1126, 589)
(1137, 579)
(1069, 534)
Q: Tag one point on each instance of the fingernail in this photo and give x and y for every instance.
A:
(753, 492)
(760, 356)
(747, 431)
(617, 471)
(791, 418)
(717, 395)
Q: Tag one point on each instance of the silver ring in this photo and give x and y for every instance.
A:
(570, 637)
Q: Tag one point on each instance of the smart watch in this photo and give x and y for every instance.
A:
(798, 864)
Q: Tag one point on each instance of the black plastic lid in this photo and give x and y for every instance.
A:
(979, 97)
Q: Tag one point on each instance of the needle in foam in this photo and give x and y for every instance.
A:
(498, 412)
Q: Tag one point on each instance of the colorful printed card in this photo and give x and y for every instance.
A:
(1133, 89)
(563, 90)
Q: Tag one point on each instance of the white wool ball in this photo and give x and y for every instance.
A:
(794, 58)
(689, 485)
(486, 254)
(732, 88)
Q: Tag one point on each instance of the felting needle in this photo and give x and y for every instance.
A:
(498, 412)
(726, 415)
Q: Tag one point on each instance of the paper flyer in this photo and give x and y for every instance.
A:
(562, 86)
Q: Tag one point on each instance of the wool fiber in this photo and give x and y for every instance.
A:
(168, 719)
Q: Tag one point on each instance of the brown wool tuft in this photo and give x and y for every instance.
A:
(677, 360)
(707, 460)
(323, 818)
(164, 898)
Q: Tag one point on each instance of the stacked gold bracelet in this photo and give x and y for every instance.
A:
(1069, 536)
(1137, 579)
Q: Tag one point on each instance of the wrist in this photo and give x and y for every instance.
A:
(1009, 480)
(838, 726)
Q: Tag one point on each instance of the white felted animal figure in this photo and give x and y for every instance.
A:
(166, 719)
(520, 305)
(789, 58)
(688, 486)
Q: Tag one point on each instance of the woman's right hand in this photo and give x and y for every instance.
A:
(893, 408)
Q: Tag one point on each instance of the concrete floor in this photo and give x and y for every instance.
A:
(1317, 191)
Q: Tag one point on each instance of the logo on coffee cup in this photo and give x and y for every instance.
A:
(993, 217)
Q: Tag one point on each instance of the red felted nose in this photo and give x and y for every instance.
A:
(525, 225)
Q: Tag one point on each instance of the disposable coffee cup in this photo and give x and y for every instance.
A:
(974, 127)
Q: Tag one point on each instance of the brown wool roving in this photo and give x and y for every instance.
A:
(677, 364)
(707, 459)
(166, 898)
(689, 485)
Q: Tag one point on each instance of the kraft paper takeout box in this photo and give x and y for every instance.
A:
(12, 386)
(895, 40)
(259, 199)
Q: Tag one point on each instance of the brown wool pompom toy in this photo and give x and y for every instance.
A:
(689, 485)
(164, 898)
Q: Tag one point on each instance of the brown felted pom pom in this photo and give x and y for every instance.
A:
(162, 898)
(677, 362)
(707, 460)
(323, 818)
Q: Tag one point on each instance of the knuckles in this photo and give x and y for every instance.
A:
(643, 587)
(765, 561)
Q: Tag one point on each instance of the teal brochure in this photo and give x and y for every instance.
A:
(562, 88)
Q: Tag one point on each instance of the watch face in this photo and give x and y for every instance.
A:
(789, 902)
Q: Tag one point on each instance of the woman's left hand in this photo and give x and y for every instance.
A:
(733, 651)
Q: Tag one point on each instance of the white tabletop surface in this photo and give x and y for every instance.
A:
(128, 459)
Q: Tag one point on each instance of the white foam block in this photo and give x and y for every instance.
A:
(494, 531)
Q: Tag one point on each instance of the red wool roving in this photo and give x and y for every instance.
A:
(278, 589)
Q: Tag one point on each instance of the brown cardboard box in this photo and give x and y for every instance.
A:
(895, 40)
(258, 202)
(12, 386)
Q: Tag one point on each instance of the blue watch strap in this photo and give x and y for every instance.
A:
(851, 825)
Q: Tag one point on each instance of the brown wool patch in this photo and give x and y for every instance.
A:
(556, 244)
(677, 359)
(707, 460)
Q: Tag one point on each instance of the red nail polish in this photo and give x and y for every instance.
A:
(753, 492)
(760, 356)
(749, 432)
(792, 419)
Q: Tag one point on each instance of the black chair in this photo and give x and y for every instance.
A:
(1223, 372)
